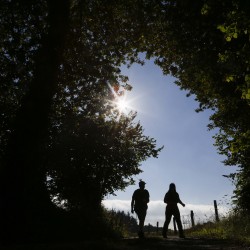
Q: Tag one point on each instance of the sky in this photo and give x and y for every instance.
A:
(188, 158)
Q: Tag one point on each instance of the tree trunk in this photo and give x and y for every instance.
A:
(25, 203)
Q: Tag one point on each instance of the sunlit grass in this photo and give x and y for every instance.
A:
(234, 227)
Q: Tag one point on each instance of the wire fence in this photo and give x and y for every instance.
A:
(192, 219)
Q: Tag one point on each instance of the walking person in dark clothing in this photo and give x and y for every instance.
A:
(171, 199)
(139, 204)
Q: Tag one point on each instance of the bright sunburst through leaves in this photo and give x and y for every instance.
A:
(121, 103)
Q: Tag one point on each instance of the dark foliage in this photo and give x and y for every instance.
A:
(205, 45)
(61, 139)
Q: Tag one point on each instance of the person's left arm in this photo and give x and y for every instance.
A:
(179, 201)
(182, 203)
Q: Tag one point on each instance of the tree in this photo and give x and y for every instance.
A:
(57, 59)
(92, 158)
(45, 47)
(205, 45)
(22, 177)
(83, 114)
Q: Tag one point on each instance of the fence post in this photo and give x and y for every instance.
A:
(216, 211)
(192, 218)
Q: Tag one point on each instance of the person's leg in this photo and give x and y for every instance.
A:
(178, 222)
(141, 216)
(168, 215)
(141, 222)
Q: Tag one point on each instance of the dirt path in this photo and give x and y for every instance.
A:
(149, 243)
(174, 243)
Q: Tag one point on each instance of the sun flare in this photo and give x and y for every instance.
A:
(122, 104)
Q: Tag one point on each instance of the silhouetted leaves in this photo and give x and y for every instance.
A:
(60, 137)
(205, 45)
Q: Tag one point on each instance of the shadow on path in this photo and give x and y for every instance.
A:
(149, 243)
(175, 243)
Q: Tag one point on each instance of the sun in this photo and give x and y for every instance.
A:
(122, 104)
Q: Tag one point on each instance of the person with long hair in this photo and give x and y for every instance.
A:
(172, 199)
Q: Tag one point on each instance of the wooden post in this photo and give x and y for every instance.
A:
(216, 211)
(157, 226)
(174, 222)
(192, 218)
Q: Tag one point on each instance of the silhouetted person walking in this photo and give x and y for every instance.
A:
(139, 204)
(172, 198)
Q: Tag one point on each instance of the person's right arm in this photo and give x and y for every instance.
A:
(165, 198)
(147, 196)
(132, 203)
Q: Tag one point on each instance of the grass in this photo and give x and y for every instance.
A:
(236, 227)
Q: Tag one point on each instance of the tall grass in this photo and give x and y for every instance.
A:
(235, 226)
(123, 224)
